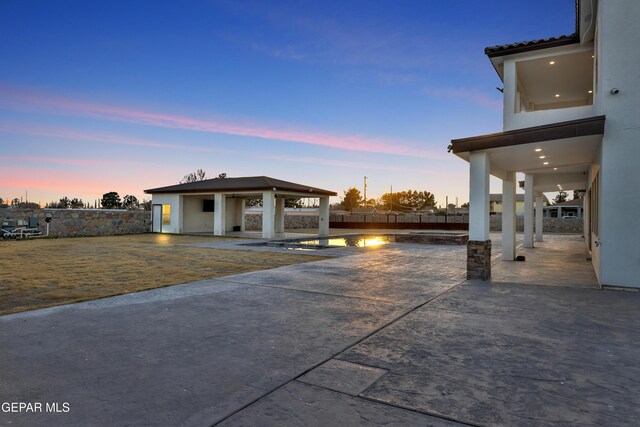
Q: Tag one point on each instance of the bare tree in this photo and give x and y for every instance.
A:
(199, 175)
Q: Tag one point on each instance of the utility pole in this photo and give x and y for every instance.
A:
(365, 191)
(446, 209)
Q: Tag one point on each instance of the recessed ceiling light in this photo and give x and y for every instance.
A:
(546, 163)
(552, 62)
(555, 169)
(538, 150)
(590, 91)
(557, 95)
(593, 56)
(542, 157)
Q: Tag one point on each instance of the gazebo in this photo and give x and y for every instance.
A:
(218, 205)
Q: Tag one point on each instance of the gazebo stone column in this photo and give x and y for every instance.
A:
(268, 215)
(539, 215)
(509, 217)
(528, 211)
(219, 214)
(323, 220)
(279, 218)
(479, 245)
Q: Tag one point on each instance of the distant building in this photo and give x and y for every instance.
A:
(495, 203)
(573, 207)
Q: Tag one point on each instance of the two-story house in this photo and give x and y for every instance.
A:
(571, 120)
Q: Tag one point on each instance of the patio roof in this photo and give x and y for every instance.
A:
(242, 184)
(558, 154)
(553, 131)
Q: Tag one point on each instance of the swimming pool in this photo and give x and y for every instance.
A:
(357, 240)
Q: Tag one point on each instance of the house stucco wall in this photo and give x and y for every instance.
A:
(196, 221)
(174, 200)
(618, 66)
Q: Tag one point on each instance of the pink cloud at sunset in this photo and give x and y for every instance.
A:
(59, 132)
(29, 100)
(44, 184)
(60, 161)
(361, 165)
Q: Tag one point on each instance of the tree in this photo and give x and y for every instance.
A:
(295, 202)
(64, 203)
(76, 203)
(254, 203)
(110, 200)
(3, 204)
(199, 175)
(146, 204)
(560, 197)
(408, 200)
(352, 199)
(130, 202)
(464, 205)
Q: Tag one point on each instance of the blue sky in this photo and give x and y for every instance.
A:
(123, 96)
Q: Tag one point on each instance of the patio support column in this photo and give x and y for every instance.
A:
(219, 214)
(539, 221)
(279, 225)
(509, 217)
(528, 211)
(559, 212)
(268, 215)
(323, 220)
(479, 245)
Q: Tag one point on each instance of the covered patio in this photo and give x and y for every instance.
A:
(218, 205)
(552, 157)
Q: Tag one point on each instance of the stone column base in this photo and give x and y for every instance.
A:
(479, 259)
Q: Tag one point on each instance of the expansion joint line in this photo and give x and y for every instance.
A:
(334, 355)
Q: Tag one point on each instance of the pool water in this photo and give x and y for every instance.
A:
(359, 241)
(347, 241)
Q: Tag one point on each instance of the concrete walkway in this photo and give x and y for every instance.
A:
(393, 336)
(560, 260)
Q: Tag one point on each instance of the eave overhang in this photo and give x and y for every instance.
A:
(554, 131)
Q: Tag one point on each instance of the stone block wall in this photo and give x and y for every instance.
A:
(85, 222)
(433, 239)
(549, 225)
(479, 259)
(253, 222)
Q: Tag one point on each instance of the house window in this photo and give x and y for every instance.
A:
(166, 214)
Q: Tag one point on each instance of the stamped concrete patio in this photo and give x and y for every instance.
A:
(394, 336)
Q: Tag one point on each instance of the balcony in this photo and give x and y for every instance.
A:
(550, 88)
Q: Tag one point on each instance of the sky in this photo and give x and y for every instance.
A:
(129, 95)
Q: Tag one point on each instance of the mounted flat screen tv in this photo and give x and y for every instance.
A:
(208, 205)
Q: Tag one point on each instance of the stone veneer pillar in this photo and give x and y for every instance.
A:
(479, 259)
